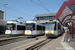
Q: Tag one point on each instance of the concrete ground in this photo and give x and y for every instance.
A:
(58, 44)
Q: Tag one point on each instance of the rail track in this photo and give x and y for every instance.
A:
(39, 45)
(9, 41)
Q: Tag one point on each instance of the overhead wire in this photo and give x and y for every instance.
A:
(40, 5)
(43, 5)
(12, 15)
(18, 11)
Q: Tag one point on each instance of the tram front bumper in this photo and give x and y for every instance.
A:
(50, 35)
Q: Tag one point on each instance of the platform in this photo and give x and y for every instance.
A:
(59, 44)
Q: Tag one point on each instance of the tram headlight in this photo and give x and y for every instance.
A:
(46, 31)
(52, 32)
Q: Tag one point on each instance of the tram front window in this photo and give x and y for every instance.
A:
(28, 26)
(10, 25)
(50, 26)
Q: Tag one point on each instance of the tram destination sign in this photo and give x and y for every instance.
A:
(9, 23)
(49, 22)
(29, 23)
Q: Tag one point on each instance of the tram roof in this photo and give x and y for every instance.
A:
(11, 21)
(35, 22)
(44, 15)
(66, 11)
(16, 22)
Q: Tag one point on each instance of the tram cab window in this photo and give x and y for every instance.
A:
(50, 26)
(10, 25)
(29, 25)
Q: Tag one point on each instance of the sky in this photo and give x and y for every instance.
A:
(28, 9)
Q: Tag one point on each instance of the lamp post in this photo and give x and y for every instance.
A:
(5, 14)
(5, 11)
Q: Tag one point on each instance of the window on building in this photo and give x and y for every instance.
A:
(45, 18)
(37, 18)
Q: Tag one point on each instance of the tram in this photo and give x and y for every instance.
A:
(53, 28)
(18, 28)
(34, 28)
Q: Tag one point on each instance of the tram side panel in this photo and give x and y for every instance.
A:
(33, 33)
(20, 29)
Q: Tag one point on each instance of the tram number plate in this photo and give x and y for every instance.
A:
(49, 31)
(27, 33)
(7, 32)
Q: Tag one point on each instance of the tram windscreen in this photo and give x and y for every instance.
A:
(29, 25)
(50, 26)
(10, 25)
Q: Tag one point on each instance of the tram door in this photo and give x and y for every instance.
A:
(73, 29)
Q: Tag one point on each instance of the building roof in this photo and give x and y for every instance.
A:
(44, 15)
(66, 12)
(1, 11)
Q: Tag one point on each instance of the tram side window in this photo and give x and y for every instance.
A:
(43, 28)
(20, 27)
(13, 27)
(59, 27)
(55, 26)
(38, 27)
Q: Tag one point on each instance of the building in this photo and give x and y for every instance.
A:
(2, 23)
(42, 18)
(1, 14)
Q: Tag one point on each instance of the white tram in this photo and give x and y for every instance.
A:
(18, 28)
(33, 29)
(53, 29)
